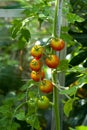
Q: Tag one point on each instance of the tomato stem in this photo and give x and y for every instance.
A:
(57, 19)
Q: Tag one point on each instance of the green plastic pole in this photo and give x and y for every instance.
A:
(56, 33)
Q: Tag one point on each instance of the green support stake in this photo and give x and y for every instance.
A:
(56, 114)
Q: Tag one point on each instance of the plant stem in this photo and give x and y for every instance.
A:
(55, 100)
(56, 33)
(57, 18)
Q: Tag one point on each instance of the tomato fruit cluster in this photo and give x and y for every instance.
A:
(37, 73)
(51, 60)
(42, 102)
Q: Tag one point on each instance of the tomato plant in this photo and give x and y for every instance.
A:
(29, 99)
(57, 44)
(46, 86)
(37, 51)
(43, 102)
(52, 61)
(37, 76)
(35, 64)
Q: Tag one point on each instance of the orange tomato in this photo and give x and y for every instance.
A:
(46, 86)
(37, 51)
(37, 76)
(57, 45)
(52, 61)
(35, 65)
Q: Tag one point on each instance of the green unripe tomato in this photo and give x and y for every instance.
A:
(32, 102)
(43, 102)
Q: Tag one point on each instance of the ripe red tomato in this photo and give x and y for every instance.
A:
(37, 76)
(46, 86)
(37, 51)
(57, 45)
(43, 102)
(52, 61)
(35, 65)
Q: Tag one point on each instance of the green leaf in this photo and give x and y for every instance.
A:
(82, 79)
(20, 115)
(21, 43)
(77, 69)
(81, 128)
(29, 84)
(71, 128)
(33, 121)
(66, 37)
(68, 106)
(13, 126)
(26, 34)
(63, 66)
(3, 119)
(73, 17)
(42, 16)
(21, 96)
(7, 124)
(5, 110)
(16, 28)
(70, 91)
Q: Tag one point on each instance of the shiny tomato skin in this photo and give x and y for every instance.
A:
(37, 51)
(35, 64)
(43, 102)
(46, 86)
(52, 61)
(37, 76)
(57, 45)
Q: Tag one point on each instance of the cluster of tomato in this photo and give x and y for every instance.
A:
(51, 60)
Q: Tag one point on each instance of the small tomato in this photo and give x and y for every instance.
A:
(37, 76)
(37, 51)
(57, 45)
(43, 102)
(52, 61)
(46, 86)
(35, 65)
(32, 102)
